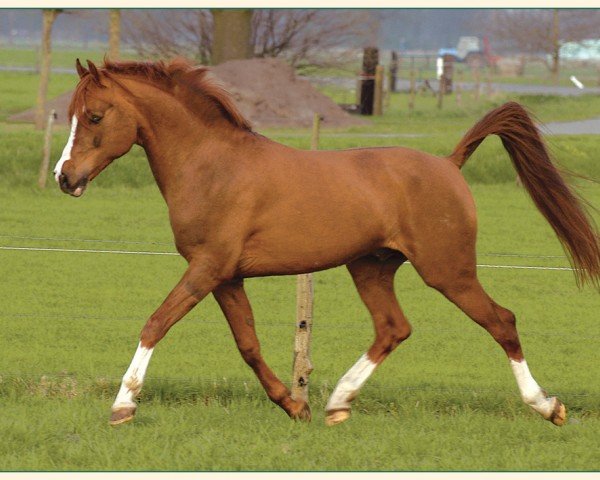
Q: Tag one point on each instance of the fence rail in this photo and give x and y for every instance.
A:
(146, 252)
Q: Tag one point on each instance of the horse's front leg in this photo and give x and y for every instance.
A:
(197, 282)
(236, 307)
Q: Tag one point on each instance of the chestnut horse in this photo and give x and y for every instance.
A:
(241, 205)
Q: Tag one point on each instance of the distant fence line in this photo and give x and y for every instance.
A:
(146, 242)
(145, 252)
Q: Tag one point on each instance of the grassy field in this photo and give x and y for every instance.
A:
(61, 57)
(445, 400)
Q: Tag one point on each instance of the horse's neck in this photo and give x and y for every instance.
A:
(173, 135)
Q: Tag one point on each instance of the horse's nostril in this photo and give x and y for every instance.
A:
(62, 180)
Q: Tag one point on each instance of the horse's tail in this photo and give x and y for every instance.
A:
(557, 202)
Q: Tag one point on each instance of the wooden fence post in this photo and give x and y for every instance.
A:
(393, 72)
(378, 96)
(304, 314)
(412, 92)
(367, 86)
(43, 176)
(440, 92)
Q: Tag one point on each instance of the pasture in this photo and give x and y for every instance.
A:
(444, 400)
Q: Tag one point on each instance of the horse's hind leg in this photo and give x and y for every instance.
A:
(236, 307)
(374, 280)
(468, 294)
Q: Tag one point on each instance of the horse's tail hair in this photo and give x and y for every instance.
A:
(554, 198)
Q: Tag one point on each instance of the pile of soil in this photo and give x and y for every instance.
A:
(267, 91)
(60, 104)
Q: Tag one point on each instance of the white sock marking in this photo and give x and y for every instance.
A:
(133, 378)
(66, 154)
(349, 385)
(531, 393)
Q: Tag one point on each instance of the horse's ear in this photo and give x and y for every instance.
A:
(81, 71)
(94, 72)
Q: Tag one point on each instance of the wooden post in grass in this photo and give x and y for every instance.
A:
(367, 86)
(378, 95)
(412, 92)
(43, 176)
(393, 72)
(440, 93)
(304, 314)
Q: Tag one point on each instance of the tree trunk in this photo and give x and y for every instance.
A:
(114, 33)
(231, 35)
(555, 47)
(49, 16)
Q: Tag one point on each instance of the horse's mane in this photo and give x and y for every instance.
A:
(167, 76)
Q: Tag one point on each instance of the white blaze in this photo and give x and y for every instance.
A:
(531, 393)
(133, 378)
(66, 154)
(350, 384)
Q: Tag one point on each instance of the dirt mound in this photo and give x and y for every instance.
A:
(267, 91)
(60, 104)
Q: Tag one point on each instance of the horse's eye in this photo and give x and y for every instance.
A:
(95, 118)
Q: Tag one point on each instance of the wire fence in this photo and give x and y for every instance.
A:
(165, 253)
(146, 242)
(224, 383)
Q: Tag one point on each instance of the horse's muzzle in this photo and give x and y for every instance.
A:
(75, 190)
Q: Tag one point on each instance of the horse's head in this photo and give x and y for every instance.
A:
(103, 128)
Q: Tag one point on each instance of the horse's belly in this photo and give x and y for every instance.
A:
(300, 253)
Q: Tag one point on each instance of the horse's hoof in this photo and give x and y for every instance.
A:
(559, 414)
(336, 416)
(303, 414)
(122, 415)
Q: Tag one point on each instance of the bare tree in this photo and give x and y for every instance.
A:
(300, 35)
(169, 33)
(543, 32)
(304, 35)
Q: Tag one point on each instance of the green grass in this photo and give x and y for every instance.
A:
(61, 57)
(444, 400)
(18, 90)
